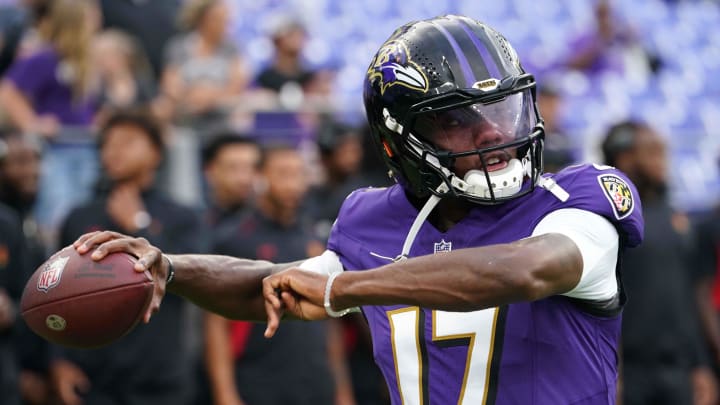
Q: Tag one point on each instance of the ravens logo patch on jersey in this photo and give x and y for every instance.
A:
(618, 194)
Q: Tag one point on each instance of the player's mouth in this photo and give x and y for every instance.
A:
(496, 161)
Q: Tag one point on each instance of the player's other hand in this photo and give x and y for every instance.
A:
(149, 258)
(296, 291)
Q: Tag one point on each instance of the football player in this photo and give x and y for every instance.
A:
(482, 279)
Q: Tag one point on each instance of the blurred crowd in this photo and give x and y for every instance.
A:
(145, 117)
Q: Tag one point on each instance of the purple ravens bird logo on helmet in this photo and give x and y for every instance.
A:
(393, 66)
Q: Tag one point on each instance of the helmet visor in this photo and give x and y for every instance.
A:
(479, 125)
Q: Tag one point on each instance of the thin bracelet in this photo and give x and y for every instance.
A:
(171, 270)
(326, 299)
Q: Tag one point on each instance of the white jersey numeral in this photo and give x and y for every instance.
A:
(404, 330)
(477, 328)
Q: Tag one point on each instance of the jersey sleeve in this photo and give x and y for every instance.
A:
(598, 242)
(327, 263)
(608, 192)
(351, 222)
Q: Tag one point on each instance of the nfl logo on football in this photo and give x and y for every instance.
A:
(443, 246)
(50, 277)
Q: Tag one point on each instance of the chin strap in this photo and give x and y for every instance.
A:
(430, 204)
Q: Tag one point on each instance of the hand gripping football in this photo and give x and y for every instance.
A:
(75, 301)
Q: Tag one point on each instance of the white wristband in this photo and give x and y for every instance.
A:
(326, 299)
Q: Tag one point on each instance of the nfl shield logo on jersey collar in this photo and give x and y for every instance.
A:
(442, 246)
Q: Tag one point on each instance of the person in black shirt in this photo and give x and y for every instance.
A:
(131, 148)
(244, 367)
(663, 354)
(230, 166)
(708, 273)
(341, 156)
(11, 285)
(19, 180)
(288, 38)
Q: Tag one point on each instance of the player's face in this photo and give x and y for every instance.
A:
(479, 126)
(232, 173)
(128, 153)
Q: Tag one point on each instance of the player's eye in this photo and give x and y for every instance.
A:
(451, 123)
(460, 118)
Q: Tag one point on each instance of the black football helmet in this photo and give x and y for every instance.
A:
(452, 88)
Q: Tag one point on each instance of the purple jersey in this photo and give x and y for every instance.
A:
(548, 351)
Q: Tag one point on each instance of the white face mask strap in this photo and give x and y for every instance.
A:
(419, 219)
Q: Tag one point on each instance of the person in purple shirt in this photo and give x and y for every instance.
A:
(483, 280)
(608, 44)
(51, 93)
(53, 86)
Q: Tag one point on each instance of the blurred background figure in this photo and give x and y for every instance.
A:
(19, 180)
(230, 167)
(287, 74)
(664, 356)
(288, 38)
(54, 85)
(150, 23)
(204, 70)
(19, 25)
(558, 152)
(708, 266)
(131, 149)
(230, 163)
(341, 157)
(51, 93)
(609, 46)
(308, 358)
(124, 73)
(11, 285)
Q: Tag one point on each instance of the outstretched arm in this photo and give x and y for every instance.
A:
(468, 279)
(574, 253)
(226, 285)
(462, 280)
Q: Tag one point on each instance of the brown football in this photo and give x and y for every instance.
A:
(74, 301)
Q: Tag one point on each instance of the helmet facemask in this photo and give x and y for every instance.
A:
(485, 146)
